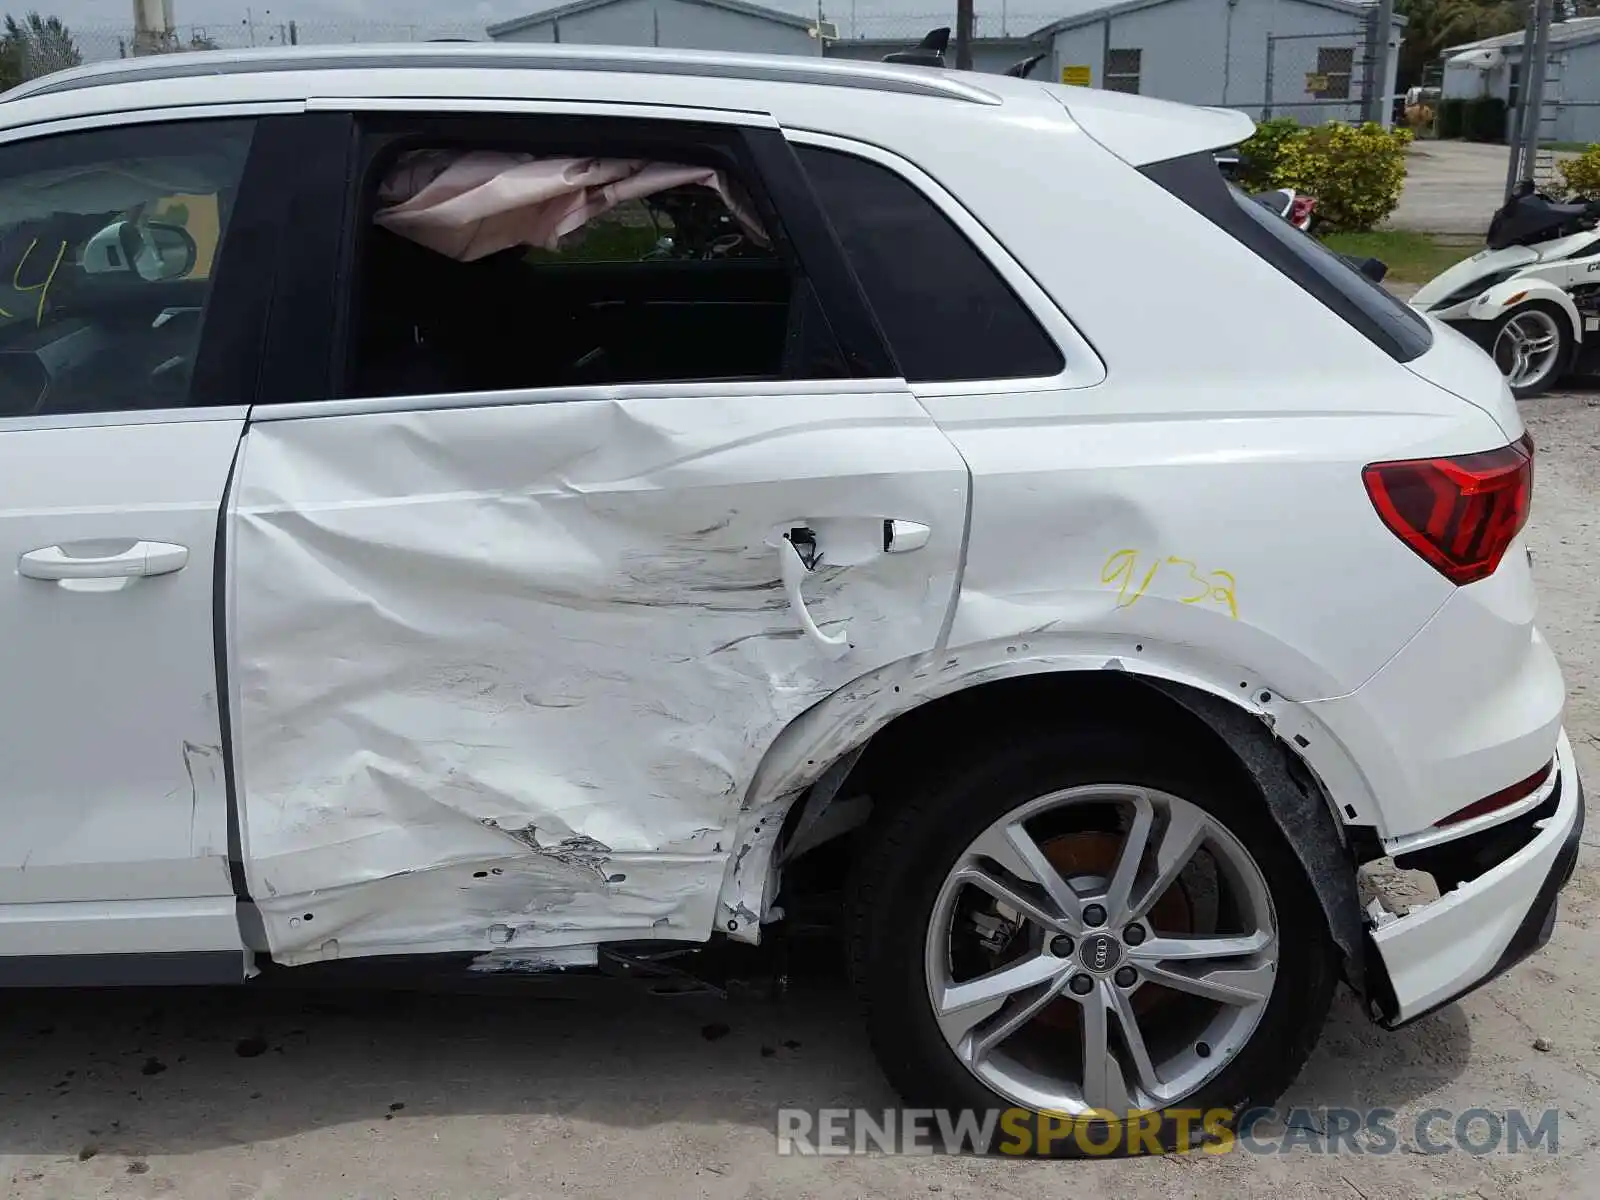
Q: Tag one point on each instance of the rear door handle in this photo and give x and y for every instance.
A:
(141, 558)
(902, 537)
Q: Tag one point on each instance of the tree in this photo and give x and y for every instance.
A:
(33, 47)
(1435, 25)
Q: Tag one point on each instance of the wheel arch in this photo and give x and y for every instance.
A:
(1235, 731)
(1494, 303)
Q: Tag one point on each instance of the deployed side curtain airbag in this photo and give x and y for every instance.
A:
(470, 204)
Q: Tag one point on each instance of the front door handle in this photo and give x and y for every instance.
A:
(140, 558)
(795, 568)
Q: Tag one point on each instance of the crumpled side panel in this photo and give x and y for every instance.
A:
(516, 666)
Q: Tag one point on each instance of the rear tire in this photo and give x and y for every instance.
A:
(902, 890)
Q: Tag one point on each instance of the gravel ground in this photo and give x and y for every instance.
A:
(233, 1095)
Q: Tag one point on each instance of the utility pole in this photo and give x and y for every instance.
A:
(964, 22)
(1379, 104)
(1514, 140)
(1525, 138)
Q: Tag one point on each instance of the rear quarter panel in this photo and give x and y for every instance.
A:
(1226, 441)
(1200, 512)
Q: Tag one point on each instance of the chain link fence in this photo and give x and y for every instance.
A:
(1315, 77)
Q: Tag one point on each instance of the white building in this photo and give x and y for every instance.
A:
(1302, 58)
(1493, 67)
(1223, 52)
(678, 24)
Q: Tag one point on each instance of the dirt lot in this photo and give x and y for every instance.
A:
(236, 1095)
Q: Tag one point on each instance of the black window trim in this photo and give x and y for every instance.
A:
(249, 263)
(1082, 366)
(1388, 323)
(304, 325)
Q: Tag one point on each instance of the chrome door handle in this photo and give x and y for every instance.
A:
(141, 558)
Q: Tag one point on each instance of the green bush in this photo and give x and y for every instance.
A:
(1452, 119)
(1484, 119)
(1582, 174)
(1354, 171)
(1260, 155)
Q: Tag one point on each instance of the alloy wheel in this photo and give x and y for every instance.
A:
(1527, 348)
(1105, 947)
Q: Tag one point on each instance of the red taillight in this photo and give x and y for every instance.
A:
(1460, 514)
(1504, 798)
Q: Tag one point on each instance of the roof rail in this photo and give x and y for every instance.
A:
(414, 56)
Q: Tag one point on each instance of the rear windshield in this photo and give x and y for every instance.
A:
(1386, 322)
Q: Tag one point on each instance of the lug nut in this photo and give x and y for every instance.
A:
(1094, 915)
(1081, 985)
(1126, 977)
(1061, 945)
(1133, 934)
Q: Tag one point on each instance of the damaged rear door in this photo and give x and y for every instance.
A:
(526, 586)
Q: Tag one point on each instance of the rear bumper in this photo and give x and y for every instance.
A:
(1473, 702)
(1487, 923)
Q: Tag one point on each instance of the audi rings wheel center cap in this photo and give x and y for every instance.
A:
(1100, 953)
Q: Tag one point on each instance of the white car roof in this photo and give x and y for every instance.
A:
(800, 92)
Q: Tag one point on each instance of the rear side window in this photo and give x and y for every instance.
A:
(1386, 322)
(945, 312)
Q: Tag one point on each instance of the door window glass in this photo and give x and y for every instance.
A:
(109, 241)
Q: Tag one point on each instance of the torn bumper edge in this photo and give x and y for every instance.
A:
(1485, 926)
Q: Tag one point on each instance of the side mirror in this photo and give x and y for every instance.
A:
(154, 251)
(169, 252)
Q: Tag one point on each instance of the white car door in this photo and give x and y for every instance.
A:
(118, 431)
(508, 657)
